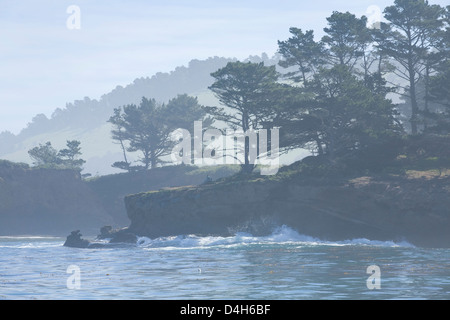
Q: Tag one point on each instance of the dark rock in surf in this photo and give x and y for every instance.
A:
(74, 240)
(106, 232)
(115, 237)
(123, 236)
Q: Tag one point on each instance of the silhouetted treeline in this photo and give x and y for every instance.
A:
(334, 96)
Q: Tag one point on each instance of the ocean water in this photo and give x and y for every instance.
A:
(284, 265)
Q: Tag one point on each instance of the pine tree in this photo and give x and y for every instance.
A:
(302, 53)
(245, 90)
(409, 41)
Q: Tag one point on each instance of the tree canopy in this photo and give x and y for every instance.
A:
(45, 156)
(247, 91)
(331, 97)
(147, 128)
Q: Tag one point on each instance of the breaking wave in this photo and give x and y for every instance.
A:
(281, 235)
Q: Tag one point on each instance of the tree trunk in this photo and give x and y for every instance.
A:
(152, 158)
(414, 106)
(427, 86)
(124, 151)
(247, 168)
(319, 145)
(146, 159)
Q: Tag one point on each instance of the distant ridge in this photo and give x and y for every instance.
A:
(161, 86)
(86, 119)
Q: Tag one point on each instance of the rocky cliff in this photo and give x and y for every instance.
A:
(383, 208)
(111, 189)
(37, 201)
(46, 202)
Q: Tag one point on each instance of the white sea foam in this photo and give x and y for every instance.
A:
(23, 242)
(282, 235)
(23, 238)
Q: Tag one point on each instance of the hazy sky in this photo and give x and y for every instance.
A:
(44, 64)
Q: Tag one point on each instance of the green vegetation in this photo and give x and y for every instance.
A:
(147, 128)
(247, 89)
(5, 164)
(45, 156)
(333, 98)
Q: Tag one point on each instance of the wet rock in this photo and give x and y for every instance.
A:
(123, 236)
(74, 240)
(106, 232)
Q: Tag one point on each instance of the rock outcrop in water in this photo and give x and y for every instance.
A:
(120, 236)
(74, 240)
(383, 208)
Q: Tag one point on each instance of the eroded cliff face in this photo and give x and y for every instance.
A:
(56, 202)
(392, 208)
(47, 202)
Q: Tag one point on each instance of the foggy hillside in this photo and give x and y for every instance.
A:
(86, 119)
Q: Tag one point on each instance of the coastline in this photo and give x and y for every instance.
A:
(386, 208)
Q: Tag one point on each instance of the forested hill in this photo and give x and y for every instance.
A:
(90, 113)
(86, 120)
